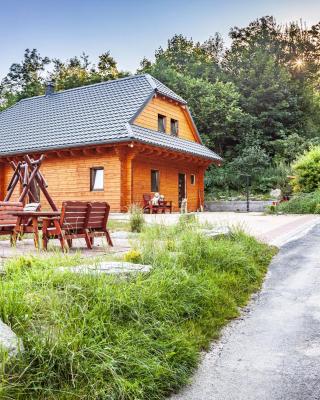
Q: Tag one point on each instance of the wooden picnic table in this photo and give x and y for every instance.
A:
(34, 216)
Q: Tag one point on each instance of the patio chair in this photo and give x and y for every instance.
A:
(70, 225)
(147, 206)
(97, 221)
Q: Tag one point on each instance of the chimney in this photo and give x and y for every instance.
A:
(49, 88)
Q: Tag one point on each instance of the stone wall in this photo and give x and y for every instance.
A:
(237, 205)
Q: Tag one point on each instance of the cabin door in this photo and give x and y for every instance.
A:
(182, 188)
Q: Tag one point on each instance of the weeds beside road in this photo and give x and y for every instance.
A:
(109, 337)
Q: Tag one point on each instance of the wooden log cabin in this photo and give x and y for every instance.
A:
(110, 141)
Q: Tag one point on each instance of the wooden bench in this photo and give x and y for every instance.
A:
(154, 209)
(9, 223)
(7, 220)
(78, 219)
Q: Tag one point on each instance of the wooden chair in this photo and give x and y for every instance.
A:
(7, 220)
(147, 206)
(97, 221)
(71, 225)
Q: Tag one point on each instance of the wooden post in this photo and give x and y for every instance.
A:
(201, 172)
(126, 155)
(39, 179)
(2, 183)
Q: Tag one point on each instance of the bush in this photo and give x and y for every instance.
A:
(304, 203)
(228, 180)
(307, 171)
(275, 176)
(138, 337)
(133, 256)
(136, 218)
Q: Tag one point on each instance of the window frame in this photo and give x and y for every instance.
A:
(164, 119)
(157, 180)
(92, 179)
(176, 123)
(192, 179)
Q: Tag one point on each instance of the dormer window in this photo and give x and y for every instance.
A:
(174, 127)
(161, 123)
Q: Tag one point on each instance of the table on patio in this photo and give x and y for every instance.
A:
(34, 216)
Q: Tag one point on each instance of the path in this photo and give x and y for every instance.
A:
(272, 229)
(273, 351)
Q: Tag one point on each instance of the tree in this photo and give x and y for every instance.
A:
(79, 72)
(28, 78)
(262, 64)
(190, 58)
(24, 79)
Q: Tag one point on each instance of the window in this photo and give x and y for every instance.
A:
(161, 123)
(174, 127)
(155, 180)
(96, 179)
(192, 179)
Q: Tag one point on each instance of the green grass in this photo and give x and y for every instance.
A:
(303, 203)
(139, 337)
(118, 225)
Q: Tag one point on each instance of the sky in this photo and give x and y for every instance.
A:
(132, 29)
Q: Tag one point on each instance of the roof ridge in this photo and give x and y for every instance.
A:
(86, 86)
(151, 81)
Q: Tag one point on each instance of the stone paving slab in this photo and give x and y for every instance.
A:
(9, 340)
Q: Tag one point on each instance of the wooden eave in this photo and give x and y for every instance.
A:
(140, 148)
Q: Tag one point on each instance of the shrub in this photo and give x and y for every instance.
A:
(303, 203)
(307, 171)
(133, 256)
(228, 180)
(136, 218)
(275, 176)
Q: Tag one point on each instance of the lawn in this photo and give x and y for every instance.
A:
(112, 337)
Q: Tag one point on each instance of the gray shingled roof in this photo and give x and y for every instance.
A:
(88, 115)
(149, 136)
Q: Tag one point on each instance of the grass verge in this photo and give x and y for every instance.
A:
(303, 203)
(110, 337)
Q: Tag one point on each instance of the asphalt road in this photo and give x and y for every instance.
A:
(273, 351)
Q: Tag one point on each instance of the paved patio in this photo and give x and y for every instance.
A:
(272, 229)
(121, 244)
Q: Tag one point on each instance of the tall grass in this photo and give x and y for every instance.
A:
(303, 203)
(136, 220)
(106, 337)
